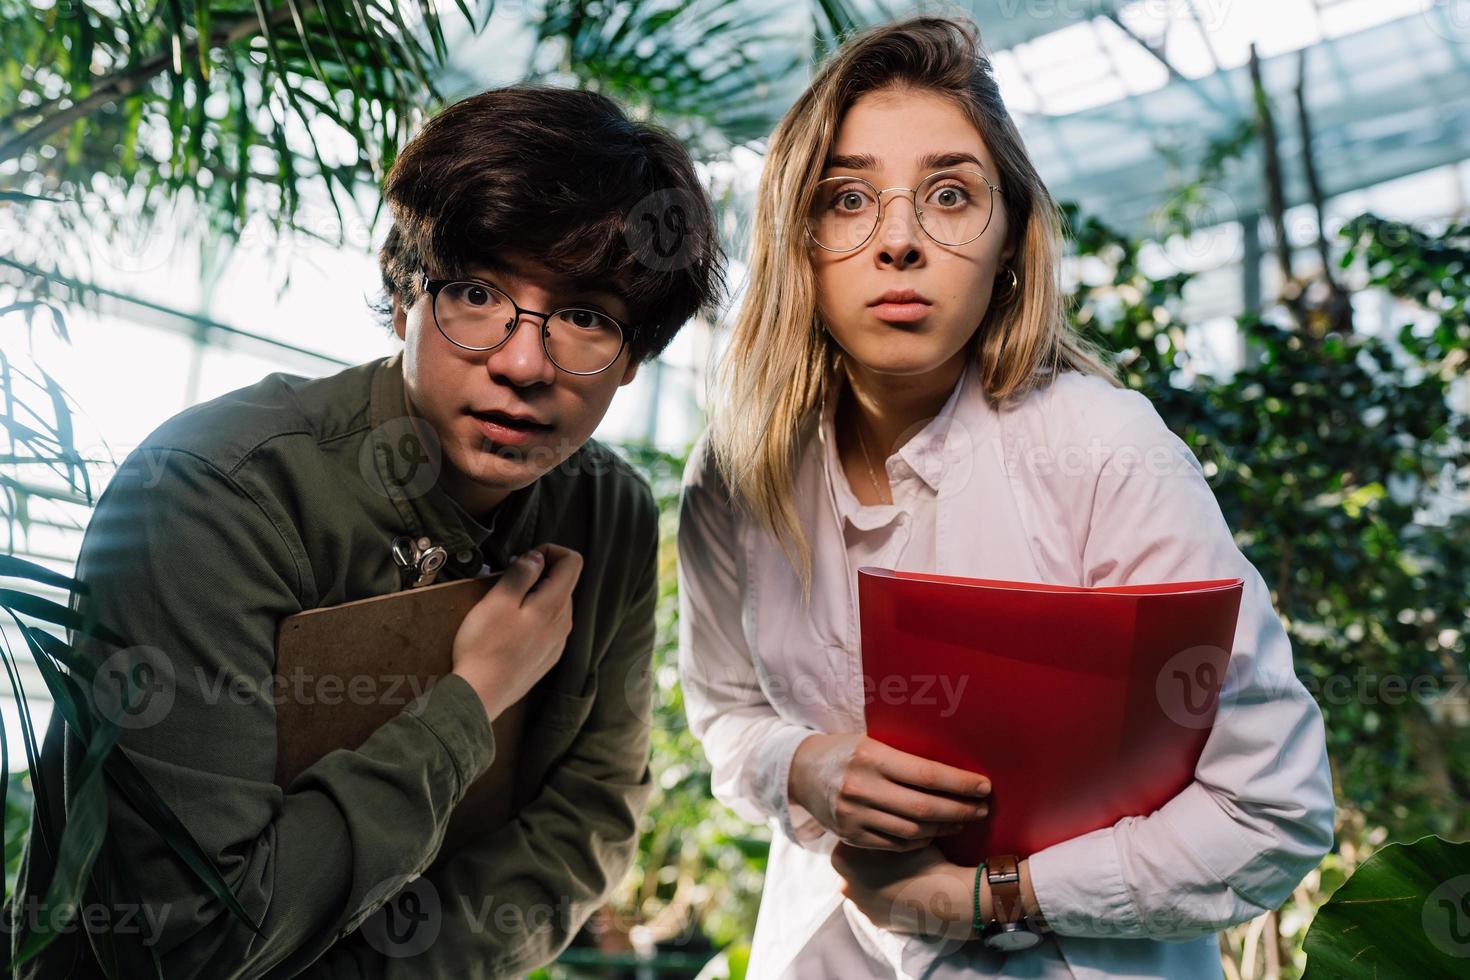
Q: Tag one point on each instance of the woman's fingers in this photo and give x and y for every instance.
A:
(903, 828)
(903, 801)
(922, 773)
(878, 841)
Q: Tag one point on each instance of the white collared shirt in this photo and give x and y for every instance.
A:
(1078, 483)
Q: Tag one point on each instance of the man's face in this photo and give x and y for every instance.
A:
(467, 395)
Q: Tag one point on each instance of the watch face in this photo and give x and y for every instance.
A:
(1010, 940)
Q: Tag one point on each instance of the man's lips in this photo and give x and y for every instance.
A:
(509, 430)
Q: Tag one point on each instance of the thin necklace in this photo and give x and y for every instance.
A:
(868, 460)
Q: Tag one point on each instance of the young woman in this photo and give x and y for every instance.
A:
(902, 390)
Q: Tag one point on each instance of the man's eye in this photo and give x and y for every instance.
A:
(587, 320)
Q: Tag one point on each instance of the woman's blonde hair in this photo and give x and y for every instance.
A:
(775, 372)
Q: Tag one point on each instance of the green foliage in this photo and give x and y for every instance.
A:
(237, 104)
(1343, 468)
(1405, 913)
(700, 867)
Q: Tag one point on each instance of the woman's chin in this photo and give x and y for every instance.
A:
(895, 360)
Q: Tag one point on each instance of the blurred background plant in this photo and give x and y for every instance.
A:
(1341, 457)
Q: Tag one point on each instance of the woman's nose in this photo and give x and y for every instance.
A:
(900, 240)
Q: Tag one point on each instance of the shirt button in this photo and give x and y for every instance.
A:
(465, 555)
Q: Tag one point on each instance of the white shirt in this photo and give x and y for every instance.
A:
(1079, 483)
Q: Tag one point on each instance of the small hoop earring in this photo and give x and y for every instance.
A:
(1015, 286)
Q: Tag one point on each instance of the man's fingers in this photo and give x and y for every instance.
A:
(518, 578)
(927, 774)
(565, 567)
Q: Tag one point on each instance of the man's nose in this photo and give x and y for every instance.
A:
(521, 361)
(900, 240)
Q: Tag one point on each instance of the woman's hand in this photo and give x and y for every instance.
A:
(872, 795)
(917, 891)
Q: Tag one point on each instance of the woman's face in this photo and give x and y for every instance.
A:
(895, 137)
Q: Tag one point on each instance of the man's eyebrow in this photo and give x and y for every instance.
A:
(930, 161)
(597, 291)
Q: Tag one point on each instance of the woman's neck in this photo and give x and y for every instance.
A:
(891, 408)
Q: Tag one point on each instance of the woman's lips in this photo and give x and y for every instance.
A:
(900, 312)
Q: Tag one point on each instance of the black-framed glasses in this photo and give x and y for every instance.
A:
(480, 317)
(954, 207)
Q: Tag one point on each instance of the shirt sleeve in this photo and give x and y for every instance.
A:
(748, 744)
(1259, 814)
(184, 563)
(515, 898)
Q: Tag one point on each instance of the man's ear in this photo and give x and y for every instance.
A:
(400, 318)
(630, 373)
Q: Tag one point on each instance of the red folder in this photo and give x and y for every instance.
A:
(1082, 705)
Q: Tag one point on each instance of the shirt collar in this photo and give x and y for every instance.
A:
(407, 460)
(934, 452)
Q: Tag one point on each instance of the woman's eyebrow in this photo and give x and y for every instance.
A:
(930, 161)
(950, 159)
(851, 161)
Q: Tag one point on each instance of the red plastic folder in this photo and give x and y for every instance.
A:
(1082, 705)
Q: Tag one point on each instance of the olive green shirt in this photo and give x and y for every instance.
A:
(285, 496)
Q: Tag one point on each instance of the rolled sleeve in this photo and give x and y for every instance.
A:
(748, 744)
(455, 715)
(1259, 814)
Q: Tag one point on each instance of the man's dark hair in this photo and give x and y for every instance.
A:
(564, 178)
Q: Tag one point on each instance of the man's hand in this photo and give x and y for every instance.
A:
(872, 795)
(517, 632)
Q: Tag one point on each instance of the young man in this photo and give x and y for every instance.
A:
(525, 286)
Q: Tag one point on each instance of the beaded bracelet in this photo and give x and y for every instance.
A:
(975, 922)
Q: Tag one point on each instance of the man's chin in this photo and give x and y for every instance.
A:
(511, 467)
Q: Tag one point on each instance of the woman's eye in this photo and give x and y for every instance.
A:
(477, 296)
(850, 201)
(949, 197)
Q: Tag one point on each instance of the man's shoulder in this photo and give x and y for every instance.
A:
(599, 470)
(226, 430)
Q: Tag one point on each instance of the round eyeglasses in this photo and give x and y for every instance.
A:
(954, 207)
(477, 316)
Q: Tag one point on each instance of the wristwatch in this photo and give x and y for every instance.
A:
(1009, 928)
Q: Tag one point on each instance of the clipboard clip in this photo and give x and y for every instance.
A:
(418, 560)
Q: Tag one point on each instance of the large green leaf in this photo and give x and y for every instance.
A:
(1404, 913)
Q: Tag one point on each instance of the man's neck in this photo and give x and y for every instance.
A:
(478, 500)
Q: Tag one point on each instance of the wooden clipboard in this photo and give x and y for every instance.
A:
(394, 647)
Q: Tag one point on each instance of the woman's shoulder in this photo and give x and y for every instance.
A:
(704, 483)
(1073, 406)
